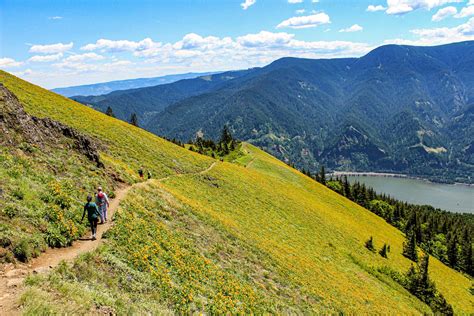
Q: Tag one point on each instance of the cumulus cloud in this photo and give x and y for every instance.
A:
(305, 21)
(444, 13)
(404, 6)
(84, 57)
(25, 72)
(105, 45)
(247, 3)
(353, 28)
(265, 39)
(55, 17)
(466, 11)
(300, 11)
(9, 62)
(295, 1)
(471, 2)
(51, 48)
(438, 36)
(375, 8)
(45, 58)
(81, 67)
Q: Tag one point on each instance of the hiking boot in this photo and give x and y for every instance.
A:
(93, 237)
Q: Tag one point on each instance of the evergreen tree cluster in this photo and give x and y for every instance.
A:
(445, 235)
(226, 144)
(418, 282)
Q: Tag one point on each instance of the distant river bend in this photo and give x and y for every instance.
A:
(450, 197)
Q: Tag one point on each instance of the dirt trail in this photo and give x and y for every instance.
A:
(11, 279)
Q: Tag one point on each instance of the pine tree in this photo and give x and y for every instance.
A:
(452, 251)
(322, 175)
(134, 119)
(109, 112)
(369, 244)
(347, 188)
(409, 247)
(383, 252)
(466, 253)
(226, 136)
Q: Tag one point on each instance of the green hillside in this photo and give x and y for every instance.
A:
(205, 236)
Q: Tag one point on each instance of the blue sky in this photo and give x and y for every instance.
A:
(62, 43)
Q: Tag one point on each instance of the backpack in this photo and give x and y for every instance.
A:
(101, 197)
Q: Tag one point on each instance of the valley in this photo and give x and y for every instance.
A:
(398, 109)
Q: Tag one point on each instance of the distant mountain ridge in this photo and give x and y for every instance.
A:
(110, 86)
(403, 109)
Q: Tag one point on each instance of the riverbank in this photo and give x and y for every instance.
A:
(392, 175)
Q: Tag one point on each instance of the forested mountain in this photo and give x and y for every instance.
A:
(247, 234)
(399, 109)
(107, 87)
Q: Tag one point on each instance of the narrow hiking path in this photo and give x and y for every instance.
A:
(12, 279)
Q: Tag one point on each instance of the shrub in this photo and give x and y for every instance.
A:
(23, 251)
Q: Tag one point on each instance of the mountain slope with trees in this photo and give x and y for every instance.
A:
(254, 235)
(401, 109)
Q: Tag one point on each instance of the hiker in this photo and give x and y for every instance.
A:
(149, 175)
(140, 173)
(93, 215)
(102, 201)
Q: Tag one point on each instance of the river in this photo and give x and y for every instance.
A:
(456, 198)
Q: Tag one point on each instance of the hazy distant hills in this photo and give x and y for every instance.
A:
(399, 109)
(107, 87)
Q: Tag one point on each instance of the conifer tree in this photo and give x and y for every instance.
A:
(452, 251)
(109, 112)
(466, 253)
(347, 188)
(226, 136)
(409, 247)
(369, 244)
(383, 251)
(134, 119)
(322, 175)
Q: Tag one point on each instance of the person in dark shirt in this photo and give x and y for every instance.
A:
(93, 215)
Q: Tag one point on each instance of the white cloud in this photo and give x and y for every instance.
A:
(295, 1)
(353, 28)
(55, 17)
(471, 2)
(375, 8)
(83, 57)
(444, 13)
(194, 52)
(315, 1)
(305, 21)
(106, 45)
(247, 3)
(438, 36)
(26, 72)
(45, 58)
(81, 67)
(265, 39)
(51, 48)
(405, 6)
(465, 12)
(9, 62)
(300, 11)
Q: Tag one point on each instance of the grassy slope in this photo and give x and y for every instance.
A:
(43, 188)
(235, 239)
